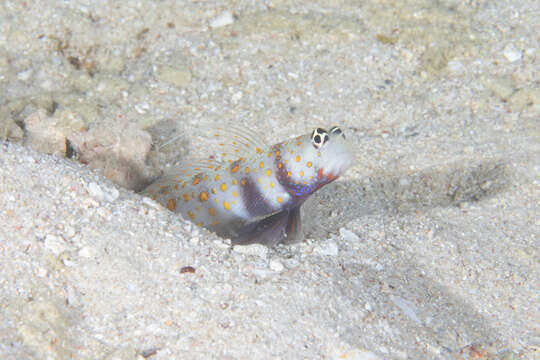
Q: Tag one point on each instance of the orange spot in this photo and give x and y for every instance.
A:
(299, 143)
(217, 178)
(186, 197)
(318, 153)
(234, 181)
(320, 174)
(171, 204)
(226, 205)
(279, 165)
(212, 211)
(258, 150)
(278, 153)
(255, 170)
(271, 184)
(309, 164)
(200, 224)
(279, 199)
(164, 190)
(214, 191)
(301, 173)
(288, 173)
(184, 184)
(234, 194)
(205, 177)
(196, 180)
(297, 158)
(223, 187)
(203, 196)
(268, 172)
(243, 182)
(191, 215)
(235, 168)
(247, 170)
(215, 222)
(270, 154)
(261, 164)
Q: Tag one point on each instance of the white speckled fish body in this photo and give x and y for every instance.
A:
(256, 198)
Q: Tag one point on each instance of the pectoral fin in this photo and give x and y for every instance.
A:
(282, 227)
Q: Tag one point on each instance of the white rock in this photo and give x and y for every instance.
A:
(94, 190)
(87, 252)
(276, 265)
(99, 194)
(236, 97)
(511, 53)
(224, 19)
(348, 235)
(327, 248)
(55, 244)
(25, 75)
(253, 250)
(292, 263)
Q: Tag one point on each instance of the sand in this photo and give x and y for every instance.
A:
(427, 248)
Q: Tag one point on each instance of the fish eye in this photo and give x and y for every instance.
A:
(319, 137)
(337, 131)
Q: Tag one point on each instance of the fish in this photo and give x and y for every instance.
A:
(254, 193)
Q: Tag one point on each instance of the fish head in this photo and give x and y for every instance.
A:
(312, 160)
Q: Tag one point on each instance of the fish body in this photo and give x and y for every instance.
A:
(255, 198)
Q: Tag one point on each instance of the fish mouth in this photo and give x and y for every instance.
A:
(342, 162)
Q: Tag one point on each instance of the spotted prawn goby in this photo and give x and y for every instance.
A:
(257, 197)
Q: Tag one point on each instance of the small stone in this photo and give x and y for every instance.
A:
(224, 19)
(41, 134)
(95, 191)
(179, 76)
(55, 244)
(25, 75)
(327, 248)
(501, 87)
(276, 265)
(87, 252)
(252, 250)
(99, 194)
(292, 263)
(236, 97)
(511, 53)
(348, 235)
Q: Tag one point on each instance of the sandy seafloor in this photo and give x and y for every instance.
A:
(427, 248)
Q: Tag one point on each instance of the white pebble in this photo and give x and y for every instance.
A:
(87, 252)
(95, 191)
(236, 97)
(276, 265)
(511, 53)
(327, 248)
(224, 19)
(99, 194)
(25, 75)
(348, 235)
(292, 263)
(55, 244)
(253, 250)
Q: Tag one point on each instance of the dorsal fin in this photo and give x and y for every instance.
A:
(236, 142)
